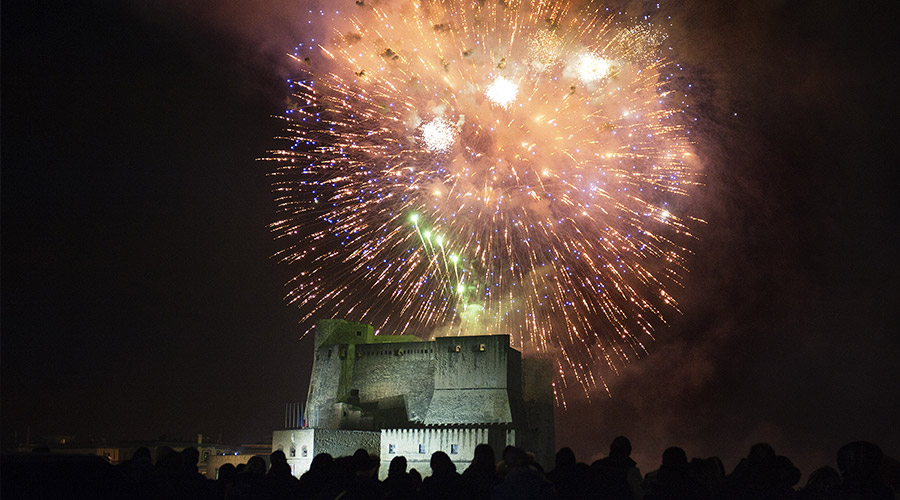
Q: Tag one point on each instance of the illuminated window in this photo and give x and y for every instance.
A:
(421, 448)
(454, 449)
(481, 347)
(392, 449)
(293, 451)
(303, 451)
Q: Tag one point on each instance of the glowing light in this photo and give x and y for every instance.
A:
(439, 135)
(591, 68)
(502, 91)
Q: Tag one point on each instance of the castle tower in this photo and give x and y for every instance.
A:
(397, 395)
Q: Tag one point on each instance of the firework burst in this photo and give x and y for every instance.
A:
(488, 167)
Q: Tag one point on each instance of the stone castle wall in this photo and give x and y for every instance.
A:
(300, 446)
(391, 370)
(459, 444)
(476, 381)
(457, 387)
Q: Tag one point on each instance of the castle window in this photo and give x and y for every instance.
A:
(399, 352)
(392, 448)
(293, 451)
(421, 448)
(303, 451)
(481, 347)
(454, 449)
(457, 348)
(358, 333)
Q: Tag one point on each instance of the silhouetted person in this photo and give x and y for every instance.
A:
(398, 485)
(225, 476)
(617, 476)
(365, 484)
(710, 472)
(762, 475)
(523, 481)
(673, 479)
(860, 463)
(192, 484)
(281, 483)
(444, 483)
(166, 473)
(480, 476)
(570, 480)
(416, 477)
(314, 481)
(820, 484)
(139, 467)
(251, 483)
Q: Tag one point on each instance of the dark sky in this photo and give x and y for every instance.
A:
(139, 297)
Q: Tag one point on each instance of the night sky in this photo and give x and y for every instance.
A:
(140, 299)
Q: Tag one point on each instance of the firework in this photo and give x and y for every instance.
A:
(488, 167)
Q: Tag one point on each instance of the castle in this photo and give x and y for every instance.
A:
(398, 395)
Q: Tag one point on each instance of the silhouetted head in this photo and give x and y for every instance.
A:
(397, 467)
(167, 458)
(514, 456)
(674, 457)
(189, 457)
(141, 454)
(565, 458)
(278, 458)
(321, 462)
(761, 453)
(227, 473)
(859, 460)
(256, 466)
(823, 478)
(484, 456)
(620, 446)
(363, 463)
(441, 465)
(415, 476)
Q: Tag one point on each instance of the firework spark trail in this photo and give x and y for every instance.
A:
(489, 167)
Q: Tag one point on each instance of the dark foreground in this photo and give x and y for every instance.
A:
(865, 474)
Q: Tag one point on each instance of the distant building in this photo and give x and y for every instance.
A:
(397, 395)
(118, 452)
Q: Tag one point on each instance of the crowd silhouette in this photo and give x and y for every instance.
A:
(863, 473)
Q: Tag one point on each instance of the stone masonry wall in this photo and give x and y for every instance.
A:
(472, 381)
(307, 443)
(403, 369)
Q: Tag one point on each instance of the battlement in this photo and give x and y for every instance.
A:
(339, 331)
